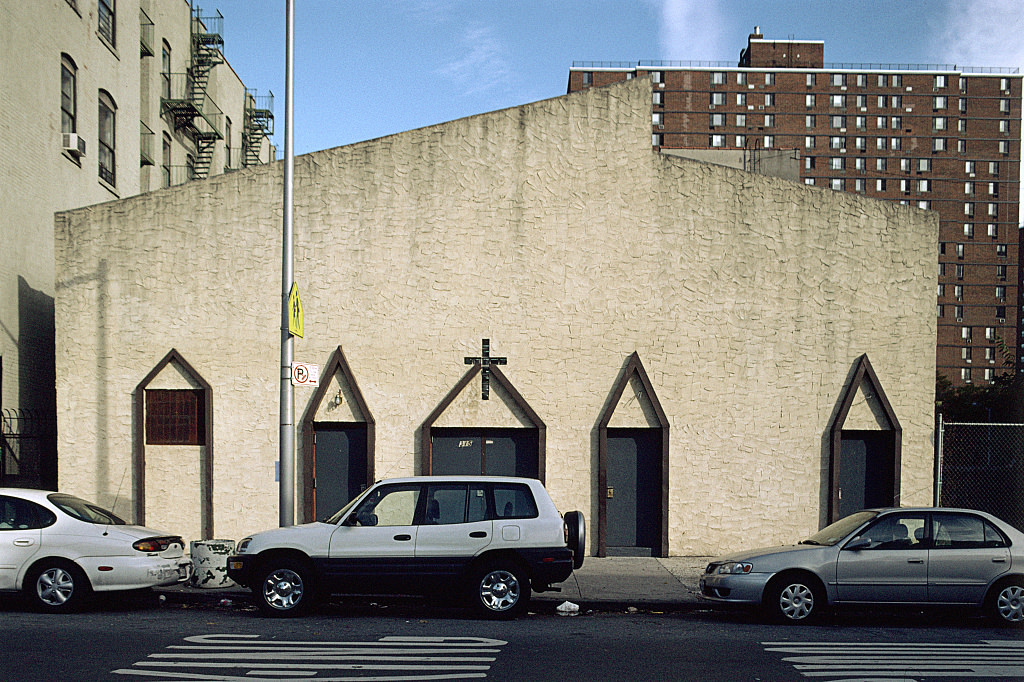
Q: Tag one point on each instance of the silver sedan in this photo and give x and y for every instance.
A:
(882, 556)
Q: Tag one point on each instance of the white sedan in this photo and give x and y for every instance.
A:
(56, 549)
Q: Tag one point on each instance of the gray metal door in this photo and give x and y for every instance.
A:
(490, 452)
(865, 470)
(339, 469)
(633, 495)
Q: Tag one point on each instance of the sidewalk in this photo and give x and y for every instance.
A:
(602, 584)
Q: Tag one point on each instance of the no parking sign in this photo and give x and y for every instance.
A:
(305, 374)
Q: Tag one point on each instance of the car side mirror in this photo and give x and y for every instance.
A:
(362, 519)
(859, 543)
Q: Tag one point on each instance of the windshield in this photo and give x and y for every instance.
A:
(85, 511)
(343, 512)
(830, 535)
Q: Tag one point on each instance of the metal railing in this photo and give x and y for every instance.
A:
(180, 97)
(840, 66)
(146, 34)
(25, 439)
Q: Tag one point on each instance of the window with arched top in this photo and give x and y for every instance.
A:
(68, 95)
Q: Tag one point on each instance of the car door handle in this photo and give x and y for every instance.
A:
(478, 534)
(915, 561)
(998, 560)
(403, 537)
(23, 542)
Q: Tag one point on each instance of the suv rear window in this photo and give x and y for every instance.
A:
(514, 501)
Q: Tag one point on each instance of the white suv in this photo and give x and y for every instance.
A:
(491, 539)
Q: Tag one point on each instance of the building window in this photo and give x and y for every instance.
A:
(107, 20)
(961, 125)
(741, 120)
(165, 74)
(836, 163)
(1004, 147)
(1004, 106)
(993, 210)
(965, 373)
(861, 122)
(657, 139)
(227, 142)
(741, 99)
(809, 181)
(896, 143)
(717, 78)
(107, 138)
(837, 101)
(963, 84)
(838, 79)
(969, 208)
(809, 121)
(990, 374)
(880, 185)
(769, 141)
(860, 143)
(990, 355)
(658, 98)
(965, 352)
(970, 167)
(836, 184)
(810, 100)
(836, 142)
(658, 118)
(1004, 84)
(882, 122)
(717, 98)
(938, 123)
(896, 101)
(1001, 273)
(896, 80)
(862, 101)
(769, 99)
(862, 80)
(993, 168)
(741, 141)
(990, 333)
(588, 78)
(809, 142)
(175, 417)
(881, 80)
(959, 271)
(940, 81)
(958, 291)
(809, 163)
(68, 95)
(741, 78)
(769, 79)
(963, 105)
(190, 166)
(926, 205)
(837, 121)
(880, 143)
(860, 185)
(1001, 250)
(1004, 126)
(881, 164)
(1001, 293)
(924, 165)
(938, 144)
(961, 146)
(897, 122)
(718, 140)
(969, 230)
(811, 79)
(939, 102)
(769, 120)
(924, 185)
(657, 77)
(165, 161)
(960, 251)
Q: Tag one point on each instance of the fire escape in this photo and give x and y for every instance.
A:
(185, 96)
(259, 125)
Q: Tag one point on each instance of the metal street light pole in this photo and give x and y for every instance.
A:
(286, 456)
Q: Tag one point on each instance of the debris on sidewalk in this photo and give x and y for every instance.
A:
(567, 608)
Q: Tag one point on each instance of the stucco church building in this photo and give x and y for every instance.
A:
(697, 357)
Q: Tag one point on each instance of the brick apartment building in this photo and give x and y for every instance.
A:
(940, 137)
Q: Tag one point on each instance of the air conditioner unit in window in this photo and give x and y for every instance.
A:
(73, 144)
(1002, 320)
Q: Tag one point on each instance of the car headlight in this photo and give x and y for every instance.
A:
(243, 545)
(735, 567)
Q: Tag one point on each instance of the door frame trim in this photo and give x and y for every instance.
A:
(862, 370)
(632, 367)
(336, 363)
(426, 445)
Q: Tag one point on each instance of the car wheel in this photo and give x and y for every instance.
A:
(1007, 603)
(793, 599)
(57, 587)
(500, 590)
(576, 536)
(284, 588)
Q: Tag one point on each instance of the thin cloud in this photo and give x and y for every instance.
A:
(981, 33)
(693, 29)
(484, 64)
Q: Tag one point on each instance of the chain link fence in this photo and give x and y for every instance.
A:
(981, 466)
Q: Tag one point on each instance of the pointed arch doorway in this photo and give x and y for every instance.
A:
(632, 487)
(338, 433)
(864, 463)
(462, 436)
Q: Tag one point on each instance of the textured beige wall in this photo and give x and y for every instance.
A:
(553, 230)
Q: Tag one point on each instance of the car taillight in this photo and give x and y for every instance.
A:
(157, 544)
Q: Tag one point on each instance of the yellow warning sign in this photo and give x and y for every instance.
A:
(294, 312)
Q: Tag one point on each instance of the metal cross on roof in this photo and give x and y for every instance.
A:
(485, 361)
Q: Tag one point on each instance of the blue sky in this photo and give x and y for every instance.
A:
(369, 68)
